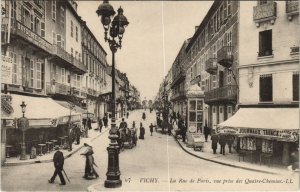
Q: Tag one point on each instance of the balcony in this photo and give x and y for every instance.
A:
(225, 56)
(57, 88)
(211, 66)
(30, 38)
(178, 78)
(227, 93)
(292, 8)
(294, 50)
(67, 60)
(177, 96)
(264, 12)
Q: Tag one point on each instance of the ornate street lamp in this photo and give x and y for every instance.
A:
(23, 124)
(116, 30)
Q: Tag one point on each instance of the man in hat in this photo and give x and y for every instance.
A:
(58, 160)
(90, 172)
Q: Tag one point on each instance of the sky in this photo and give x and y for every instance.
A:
(152, 40)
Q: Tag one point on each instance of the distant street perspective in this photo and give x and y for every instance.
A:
(149, 95)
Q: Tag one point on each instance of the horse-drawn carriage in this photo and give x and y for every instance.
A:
(127, 138)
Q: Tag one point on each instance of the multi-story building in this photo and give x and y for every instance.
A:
(94, 81)
(268, 79)
(212, 56)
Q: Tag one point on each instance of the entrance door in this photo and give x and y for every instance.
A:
(221, 114)
(214, 117)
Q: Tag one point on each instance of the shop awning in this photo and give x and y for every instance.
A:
(272, 123)
(41, 112)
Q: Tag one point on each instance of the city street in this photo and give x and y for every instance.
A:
(156, 163)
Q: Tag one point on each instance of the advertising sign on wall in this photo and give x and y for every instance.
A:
(6, 70)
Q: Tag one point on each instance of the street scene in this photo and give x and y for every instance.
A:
(149, 95)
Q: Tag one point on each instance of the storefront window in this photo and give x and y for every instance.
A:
(267, 146)
(199, 105)
(193, 105)
(247, 143)
(192, 116)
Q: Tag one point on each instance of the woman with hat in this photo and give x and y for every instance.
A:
(90, 172)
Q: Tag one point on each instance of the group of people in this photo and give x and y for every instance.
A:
(222, 140)
(58, 161)
(101, 122)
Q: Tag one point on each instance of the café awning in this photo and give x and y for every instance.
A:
(41, 112)
(75, 108)
(271, 123)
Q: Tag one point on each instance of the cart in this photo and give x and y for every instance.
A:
(198, 141)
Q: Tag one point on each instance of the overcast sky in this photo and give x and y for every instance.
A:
(152, 39)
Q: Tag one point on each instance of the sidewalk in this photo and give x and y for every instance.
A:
(93, 134)
(232, 159)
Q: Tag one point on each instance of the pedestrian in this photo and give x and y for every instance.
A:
(84, 123)
(58, 160)
(206, 132)
(100, 124)
(105, 120)
(142, 131)
(77, 134)
(89, 123)
(170, 127)
(230, 140)
(89, 171)
(144, 116)
(183, 132)
(222, 142)
(151, 128)
(123, 124)
(214, 142)
(70, 137)
(294, 160)
(127, 114)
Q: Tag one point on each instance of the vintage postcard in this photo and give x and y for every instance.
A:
(149, 95)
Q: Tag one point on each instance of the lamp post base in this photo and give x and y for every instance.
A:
(113, 183)
(23, 152)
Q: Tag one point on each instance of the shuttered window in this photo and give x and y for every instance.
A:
(266, 88)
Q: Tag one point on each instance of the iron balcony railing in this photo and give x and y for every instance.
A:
(264, 12)
(211, 66)
(177, 95)
(225, 56)
(59, 88)
(228, 93)
(292, 7)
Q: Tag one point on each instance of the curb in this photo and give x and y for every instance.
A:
(226, 164)
(50, 160)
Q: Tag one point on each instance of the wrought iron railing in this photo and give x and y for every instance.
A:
(228, 92)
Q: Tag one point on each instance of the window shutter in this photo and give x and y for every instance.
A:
(43, 29)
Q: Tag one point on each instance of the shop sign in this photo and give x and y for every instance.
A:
(33, 37)
(6, 70)
(282, 134)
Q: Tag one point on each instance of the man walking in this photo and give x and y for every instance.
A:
(58, 160)
(89, 123)
(151, 128)
(100, 124)
(222, 141)
(105, 121)
(214, 142)
(206, 132)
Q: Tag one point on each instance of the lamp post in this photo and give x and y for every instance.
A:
(116, 30)
(23, 124)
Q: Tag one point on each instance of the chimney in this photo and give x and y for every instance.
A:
(196, 28)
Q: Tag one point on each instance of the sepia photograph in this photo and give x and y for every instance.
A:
(150, 95)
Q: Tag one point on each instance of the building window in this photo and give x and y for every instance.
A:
(229, 75)
(229, 109)
(53, 10)
(296, 87)
(38, 75)
(31, 22)
(76, 34)
(31, 82)
(262, 2)
(214, 109)
(62, 17)
(221, 109)
(43, 29)
(266, 88)
(71, 28)
(265, 43)
(13, 57)
(63, 75)
(59, 40)
(228, 7)
(214, 81)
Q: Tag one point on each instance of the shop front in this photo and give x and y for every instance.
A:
(47, 121)
(271, 133)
